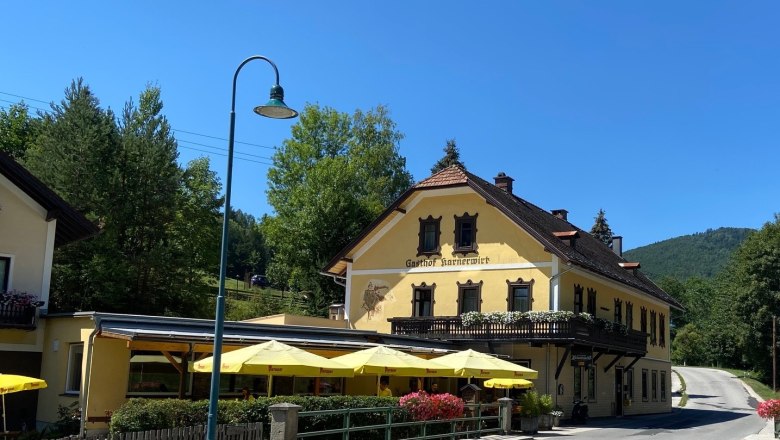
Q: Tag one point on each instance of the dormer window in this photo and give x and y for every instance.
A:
(466, 234)
(568, 237)
(430, 230)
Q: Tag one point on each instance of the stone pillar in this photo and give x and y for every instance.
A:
(284, 421)
(506, 414)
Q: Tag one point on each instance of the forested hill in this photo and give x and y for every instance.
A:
(702, 254)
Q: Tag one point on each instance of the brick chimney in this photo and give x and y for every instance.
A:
(617, 245)
(504, 182)
(561, 214)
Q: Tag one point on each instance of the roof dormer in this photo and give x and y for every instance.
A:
(568, 237)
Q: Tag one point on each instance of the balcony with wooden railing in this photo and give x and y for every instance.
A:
(575, 331)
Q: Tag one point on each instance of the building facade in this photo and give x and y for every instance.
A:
(454, 244)
(33, 222)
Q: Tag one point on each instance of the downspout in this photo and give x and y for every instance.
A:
(336, 278)
(83, 398)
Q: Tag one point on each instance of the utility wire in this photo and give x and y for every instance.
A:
(27, 98)
(179, 141)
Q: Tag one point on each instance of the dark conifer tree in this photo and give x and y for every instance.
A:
(451, 157)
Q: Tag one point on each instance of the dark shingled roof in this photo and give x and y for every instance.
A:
(588, 252)
(71, 224)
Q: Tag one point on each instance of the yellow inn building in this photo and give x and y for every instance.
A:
(597, 329)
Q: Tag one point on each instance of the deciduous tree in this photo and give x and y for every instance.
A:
(330, 179)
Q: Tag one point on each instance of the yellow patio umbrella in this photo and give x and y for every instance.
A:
(384, 361)
(11, 383)
(470, 363)
(274, 358)
(508, 383)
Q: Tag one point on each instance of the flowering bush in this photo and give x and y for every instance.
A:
(19, 299)
(424, 406)
(508, 318)
(769, 409)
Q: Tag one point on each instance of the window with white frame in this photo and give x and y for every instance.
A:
(73, 378)
(5, 273)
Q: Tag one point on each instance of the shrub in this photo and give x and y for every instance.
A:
(530, 404)
(423, 406)
(153, 414)
(769, 409)
(545, 404)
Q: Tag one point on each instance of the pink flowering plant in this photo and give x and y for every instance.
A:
(769, 409)
(423, 406)
(16, 298)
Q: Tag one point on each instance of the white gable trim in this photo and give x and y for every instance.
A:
(412, 203)
(482, 267)
(23, 196)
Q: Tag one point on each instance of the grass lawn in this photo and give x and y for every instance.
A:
(762, 389)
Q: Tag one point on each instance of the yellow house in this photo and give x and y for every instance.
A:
(33, 222)
(594, 327)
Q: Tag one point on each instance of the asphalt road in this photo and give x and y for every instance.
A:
(719, 408)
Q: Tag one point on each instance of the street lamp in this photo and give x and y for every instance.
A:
(275, 108)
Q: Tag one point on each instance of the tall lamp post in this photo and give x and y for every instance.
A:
(277, 109)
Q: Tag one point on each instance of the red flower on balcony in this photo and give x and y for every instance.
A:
(15, 298)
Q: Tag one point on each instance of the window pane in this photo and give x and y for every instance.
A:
(654, 387)
(465, 234)
(644, 384)
(422, 302)
(5, 267)
(577, 383)
(74, 368)
(429, 241)
(663, 385)
(470, 301)
(151, 372)
(520, 299)
(591, 383)
(630, 383)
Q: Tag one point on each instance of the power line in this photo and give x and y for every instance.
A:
(223, 149)
(27, 98)
(179, 141)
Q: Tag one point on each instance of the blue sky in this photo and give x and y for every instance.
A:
(663, 113)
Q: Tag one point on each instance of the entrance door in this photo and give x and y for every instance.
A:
(619, 392)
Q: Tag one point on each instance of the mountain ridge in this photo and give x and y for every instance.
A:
(702, 254)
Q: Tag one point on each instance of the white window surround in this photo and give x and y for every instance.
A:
(10, 270)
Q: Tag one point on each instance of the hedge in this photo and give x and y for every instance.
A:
(152, 414)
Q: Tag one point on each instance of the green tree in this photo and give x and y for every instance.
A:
(329, 180)
(754, 281)
(17, 130)
(75, 153)
(451, 157)
(600, 229)
(246, 250)
(159, 223)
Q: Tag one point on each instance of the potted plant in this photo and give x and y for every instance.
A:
(529, 415)
(770, 409)
(557, 413)
(545, 412)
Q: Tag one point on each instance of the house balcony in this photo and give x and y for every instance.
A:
(573, 332)
(20, 317)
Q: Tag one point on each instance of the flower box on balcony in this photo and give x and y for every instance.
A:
(18, 309)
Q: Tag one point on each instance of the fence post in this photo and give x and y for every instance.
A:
(284, 421)
(505, 409)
